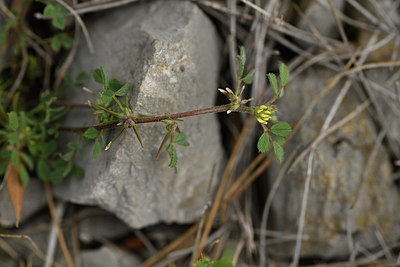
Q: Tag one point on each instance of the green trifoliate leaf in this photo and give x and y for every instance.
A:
(90, 133)
(114, 84)
(173, 156)
(23, 175)
(283, 73)
(281, 129)
(13, 120)
(123, 90)
(14, 158)
(278, 151)
(43, 170)
(248, 79)
(96, 149)
(273, 82)
(180, 139)
(263, 143)
(241, 59)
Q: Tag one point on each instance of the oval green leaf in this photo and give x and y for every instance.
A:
(123, 90)
(23, 175)
(96, 149)
(283, 73)
(263, 143)
(273, 82)
(281, 129)
(180, 139)
(90, 133)
(248, 79)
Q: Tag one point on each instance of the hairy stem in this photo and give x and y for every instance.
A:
(191, 113)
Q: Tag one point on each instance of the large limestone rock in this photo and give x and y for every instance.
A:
(170, 51)
(346, 194)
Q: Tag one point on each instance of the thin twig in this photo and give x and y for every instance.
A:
(35, 247)
(52, 241)
(302, 216)
(81, 23)
(21, 74)
(53, 214)
(65, 66)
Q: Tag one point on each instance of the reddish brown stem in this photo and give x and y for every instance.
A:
(196, 112)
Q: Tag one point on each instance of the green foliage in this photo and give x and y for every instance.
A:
(173, 156)
(180, 139)
(90, 133)
(248, 79)
(281, 129)
(61, 40)
(278, 151)
(207, 262)
(273, 82)
(283, 73)
(241, 59)
(56, 13)
(263, 143)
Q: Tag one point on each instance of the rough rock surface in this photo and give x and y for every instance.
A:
(35, 199)
(346, 195)
(170, 51)
(108, 256)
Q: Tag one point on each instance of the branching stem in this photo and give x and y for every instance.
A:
(191, 113)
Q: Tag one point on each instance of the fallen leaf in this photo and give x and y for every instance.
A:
(15, 189)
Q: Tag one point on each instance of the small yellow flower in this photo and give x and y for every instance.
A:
(264, 113)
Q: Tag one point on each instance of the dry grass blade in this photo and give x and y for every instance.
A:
(178, 243)
(218, 197)
(35, 247)
(53, 214)
(15, 189)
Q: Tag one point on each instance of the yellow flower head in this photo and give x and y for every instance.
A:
(264, 113)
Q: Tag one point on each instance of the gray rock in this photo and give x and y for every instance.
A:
(340, 160)
(34, 200)
(170, 51)
(100, 226)
(109, 256)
